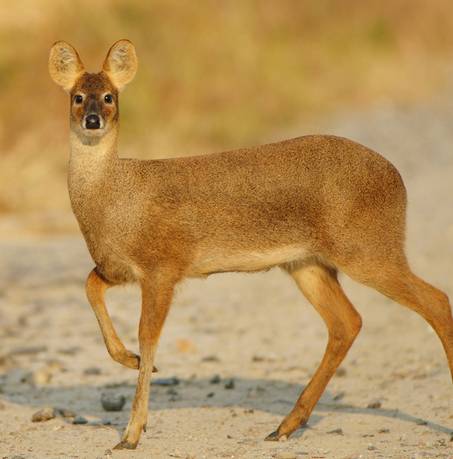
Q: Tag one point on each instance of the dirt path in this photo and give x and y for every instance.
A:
(254, 330)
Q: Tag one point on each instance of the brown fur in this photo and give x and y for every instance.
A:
(311, 205)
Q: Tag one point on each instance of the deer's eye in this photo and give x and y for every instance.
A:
(78, 99)
(108, 98)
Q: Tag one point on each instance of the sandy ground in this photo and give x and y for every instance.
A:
(255, 330)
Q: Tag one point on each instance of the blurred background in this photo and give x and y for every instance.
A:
(216, 75)
(213, 75)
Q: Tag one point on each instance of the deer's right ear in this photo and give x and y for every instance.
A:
(65, 66)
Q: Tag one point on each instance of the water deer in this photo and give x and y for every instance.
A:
(312, 205)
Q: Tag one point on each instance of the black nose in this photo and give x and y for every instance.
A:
(92, 122)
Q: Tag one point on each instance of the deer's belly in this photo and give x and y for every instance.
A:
(246, 261)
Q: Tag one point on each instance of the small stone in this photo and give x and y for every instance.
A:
(28, 350)
(210, 395)
(92, 371)
(341, 372)
(421, 422)
(112, 402)
(78, 420)
(371, 447)
(374, 405)
(108, 453)
(210, 358)
(215, 379)
(338, 431)
(230, 384)
(173, 381)
(64, 412)
(73, 350)
(384, 430)
(286, 455)
(43, 415)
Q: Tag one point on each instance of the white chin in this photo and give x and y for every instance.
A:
(93, 132)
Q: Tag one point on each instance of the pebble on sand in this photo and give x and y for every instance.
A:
(374, 405)
(230, 384)
(341, 372)
(44, 414)
(210, 358)
(173, 381)
(92, 371)
(112, 402)
(80, 420)
(338, 431)
(215, 379)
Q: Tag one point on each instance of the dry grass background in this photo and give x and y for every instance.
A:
(213, 74)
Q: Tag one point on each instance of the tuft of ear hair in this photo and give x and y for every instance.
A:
(65, 66)
(121, 63)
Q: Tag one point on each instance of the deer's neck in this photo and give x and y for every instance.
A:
(91, 169)
(91, 157)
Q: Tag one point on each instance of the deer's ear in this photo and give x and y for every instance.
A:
(65, 66)
(121, 63)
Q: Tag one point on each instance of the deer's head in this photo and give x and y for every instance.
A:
(94, 108)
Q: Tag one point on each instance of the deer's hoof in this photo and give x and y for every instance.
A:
(275, 436)
(124, 444)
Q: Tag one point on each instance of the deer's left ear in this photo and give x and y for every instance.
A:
(121, 63)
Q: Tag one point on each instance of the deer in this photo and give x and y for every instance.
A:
(314, 206)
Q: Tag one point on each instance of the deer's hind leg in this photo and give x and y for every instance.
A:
(320, 286)
(95, 290)
(396, 281)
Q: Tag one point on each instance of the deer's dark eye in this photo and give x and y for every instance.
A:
(78, 99)
(108, 98)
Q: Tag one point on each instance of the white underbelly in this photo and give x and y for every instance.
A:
(219, 260)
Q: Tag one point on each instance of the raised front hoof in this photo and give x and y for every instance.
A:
(131, 360)
(128, 359)
(275, 436)
(124, 444)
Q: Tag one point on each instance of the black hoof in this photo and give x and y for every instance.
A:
(272, 437)
(123, 444)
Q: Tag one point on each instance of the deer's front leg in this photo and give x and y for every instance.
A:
(95, 290)
(157, 292)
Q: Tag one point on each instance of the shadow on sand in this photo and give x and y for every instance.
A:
(271, 396)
